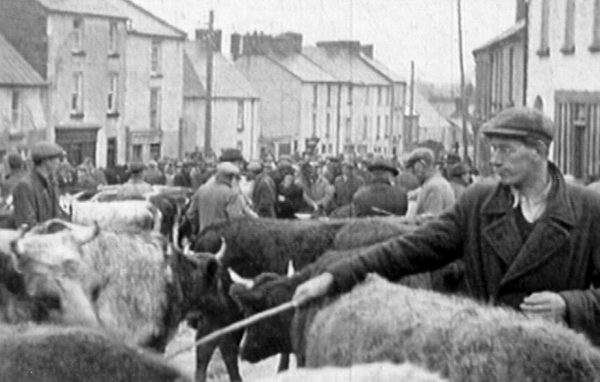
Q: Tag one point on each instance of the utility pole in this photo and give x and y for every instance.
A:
(411, 120)
(463, 113)
(209, 86)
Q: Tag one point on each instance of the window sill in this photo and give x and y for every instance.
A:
(156, 75)
(595, 47)
(568, 50)
(75, 115)
(543, 52)
(114, 55)
(113, 114)
(78, 53)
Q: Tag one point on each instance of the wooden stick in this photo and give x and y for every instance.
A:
(236, 326)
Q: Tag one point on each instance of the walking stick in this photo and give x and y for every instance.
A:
(236, 326)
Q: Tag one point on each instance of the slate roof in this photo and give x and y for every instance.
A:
(518, 27)
(302, 67)
(192, 86)
(145, 22)
(382, 69)
(228, 82)
(14, 70)
(90, 7)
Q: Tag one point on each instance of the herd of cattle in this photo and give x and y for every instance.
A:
(80, 300)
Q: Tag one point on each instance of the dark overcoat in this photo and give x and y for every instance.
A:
(562, 253)
(380, 195)
(35, 200)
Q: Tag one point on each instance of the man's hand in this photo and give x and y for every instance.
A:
(313, 288)
(548, 305)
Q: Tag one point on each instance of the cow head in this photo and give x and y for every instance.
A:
(270, 336)
(51, 250)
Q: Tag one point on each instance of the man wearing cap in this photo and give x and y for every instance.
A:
(346, 185)
(217, 201)
(436, 194)
(136, 187)
(36, 195)
(380, 196)
(529, 241)
(459, 176)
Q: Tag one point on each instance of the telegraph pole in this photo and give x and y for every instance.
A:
(209, 86)
(411, 120)
(463, 113)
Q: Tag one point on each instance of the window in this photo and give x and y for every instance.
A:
(113, 38)
(379, 97)
(136, 151)
(328, 95)
(387, 126)
(315, 95)
(240, 116)
(350, 90)
(378, 136)
(155, 58)
(330, 148)
(15, 107)
(348, 128)
(367, 91)
(155, 151)
(314, 124)
(113, 89)
(77, 94)
(155, 108)
(388, 96)
(595, 47)
(365, 132)
(328, 126)
(78, 34)
(544, 49)
(569, 43)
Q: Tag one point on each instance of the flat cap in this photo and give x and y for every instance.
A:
(231, 155)
(458, 169)
(520, 122)
(383, 164)
(227, 168)
(46, 150)
(420, 154)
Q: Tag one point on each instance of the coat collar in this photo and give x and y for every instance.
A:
(557, 208)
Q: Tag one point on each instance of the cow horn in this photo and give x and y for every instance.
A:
(83, 234)
(290, 269)
(237, 279)
(221, 254)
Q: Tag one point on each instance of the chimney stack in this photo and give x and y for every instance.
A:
(521, 5)
(236, 45)
(367, 50)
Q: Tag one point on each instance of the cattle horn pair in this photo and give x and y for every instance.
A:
(237, 279)
(221, 253)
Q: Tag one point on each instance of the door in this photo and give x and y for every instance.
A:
(111, 152)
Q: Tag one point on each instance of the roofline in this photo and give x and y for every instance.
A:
(381, 73)
(150, 14)
(21, 85)
(349, 82)
(88, 14)
(153, 35)
(495, 42)
(216, 97)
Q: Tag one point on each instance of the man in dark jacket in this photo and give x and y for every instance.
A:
(35, 196)
(380, 196)
(346, 185)
(529, 241)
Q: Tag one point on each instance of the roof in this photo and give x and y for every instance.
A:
(345, 66)
(14, 70)
(302, 67)
(90, 7)
(192, 86)
(515, 29)
(142, 21)
(228, 82)
(382, 69)
(428, 115)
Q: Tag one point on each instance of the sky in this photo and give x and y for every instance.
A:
(423, 31)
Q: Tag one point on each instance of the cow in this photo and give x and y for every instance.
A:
(133, 285)
(457, 337)
(380, 371)
(59, 354)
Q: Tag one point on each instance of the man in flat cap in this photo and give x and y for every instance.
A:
(379, 196)
(529, 241)
(435, 195)
(36, 195)
(136, 187)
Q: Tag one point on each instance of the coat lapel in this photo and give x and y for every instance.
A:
(504, 238)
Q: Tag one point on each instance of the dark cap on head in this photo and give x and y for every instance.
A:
(382, 164)
(420, 154)
(231, 155)
(520, 123)
(15, 161)
(46, 150)
(136, 167)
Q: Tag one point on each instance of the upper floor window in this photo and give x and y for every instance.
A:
(78, 34)
(367, 91)
(544, 49)
(365, 132)
(569, 42)
(155, 108)
(328, 95)
(15, 107)
(113, 87)
(595, 47)
(386, 128)
(77, 94)
(328, 126)
(315, 95)
(240, 116)
(379, 95)
(348, 131)
(350, 90)
(378, 127)
(155, 57)
(314, 124)
(113, 38)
